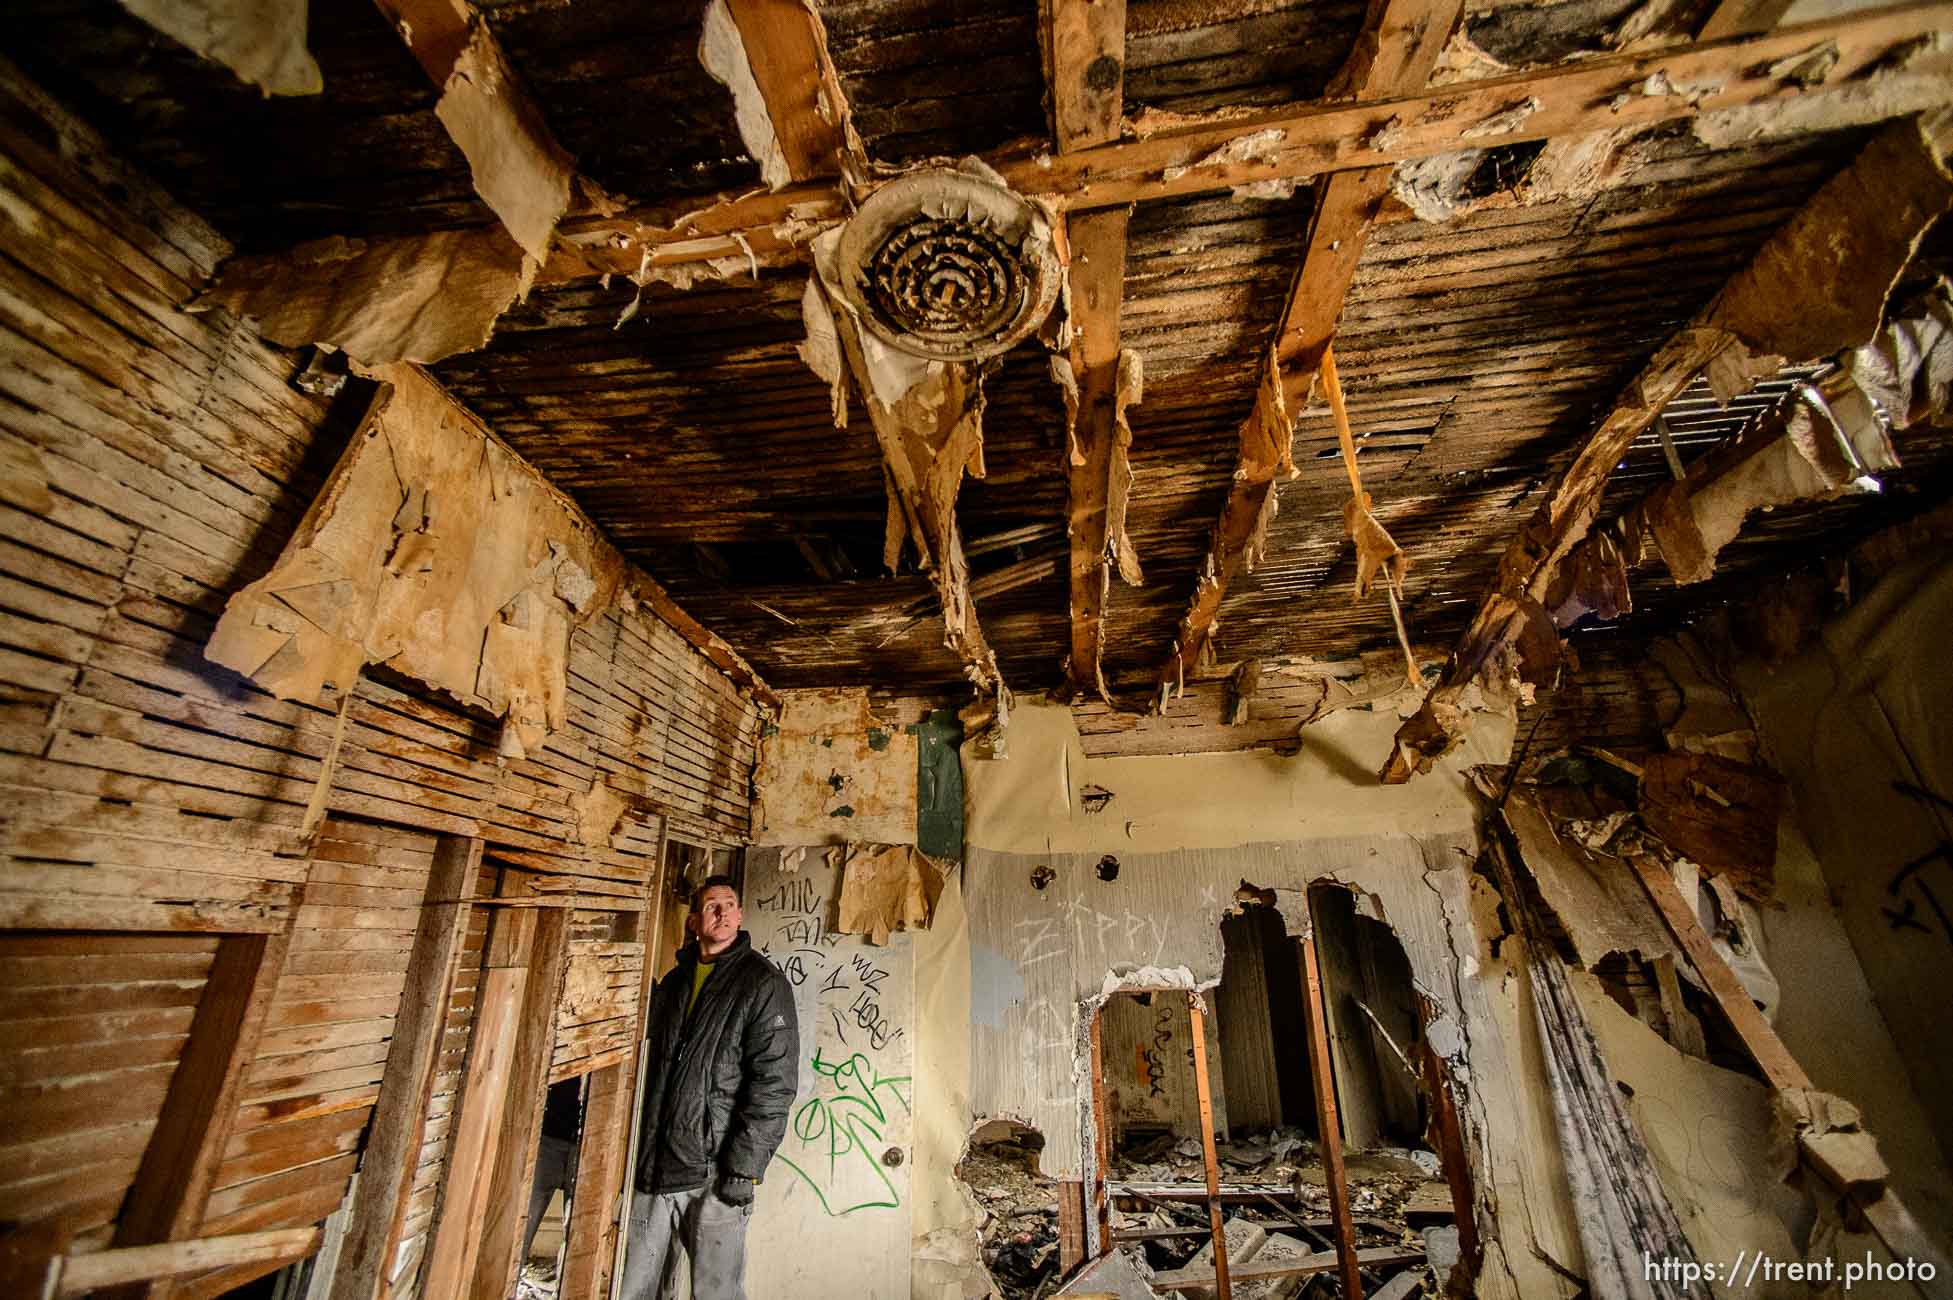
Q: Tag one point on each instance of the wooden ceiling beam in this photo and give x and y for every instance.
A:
(1888, 65)
(786, 47)
(1815, 286)
(1084, 48)
(1397, 51)
(1735, 17)
(1084, 44)
(1578, 165)
(1640, 89)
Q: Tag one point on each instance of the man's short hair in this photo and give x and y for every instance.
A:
(711, 882)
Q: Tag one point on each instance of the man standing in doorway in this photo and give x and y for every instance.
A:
(721, 1075)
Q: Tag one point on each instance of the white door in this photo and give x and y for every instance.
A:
(832, 1217)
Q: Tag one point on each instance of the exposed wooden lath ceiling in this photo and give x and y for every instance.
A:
(1476, 351)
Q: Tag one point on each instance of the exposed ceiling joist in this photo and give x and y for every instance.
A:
(518, 168)
(1396, 53)
(1734, 17)
(1892, 49)
(1098, 467)
(1888, 64)
(1084, 57)
(786, 46)
(1816, 286)
(1084, 46)
(1576, 164)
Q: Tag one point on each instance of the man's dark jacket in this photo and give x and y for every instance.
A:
(720, 1080)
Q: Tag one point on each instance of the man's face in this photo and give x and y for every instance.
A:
(716, 922)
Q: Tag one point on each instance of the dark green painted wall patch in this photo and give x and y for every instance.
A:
(939, 785)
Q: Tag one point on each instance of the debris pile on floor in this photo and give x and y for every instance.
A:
(1019, 1214)
(1277, 1214)
(538, 1281)
(1382, 1181)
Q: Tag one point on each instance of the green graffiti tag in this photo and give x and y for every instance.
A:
(848, 1123)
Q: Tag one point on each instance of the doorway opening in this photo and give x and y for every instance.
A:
(552, 1191)
(1268, 1094)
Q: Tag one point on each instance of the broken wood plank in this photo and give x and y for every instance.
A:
(521, 1108)
(1329, 1126)
(1815, 286)
(929, 438)
(1453, 1158)
(1890, 1218)
(1765, 1048)
(1203, 1092)
(456, 1237)
(78, 1275)
(786, 47)
(399, 1120)
(172, 1188)
(1071, 1225)
(1294, 144)
(1395, 55)
(1736, 17)
(1321, 1262)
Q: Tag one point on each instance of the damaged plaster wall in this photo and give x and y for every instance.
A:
(1708, 1133)
(1857, 724)
(1186, 831)
(831, 771)
(1824, 1014)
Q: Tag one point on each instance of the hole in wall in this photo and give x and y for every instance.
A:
(1017, 1207)
(1042, 876)
(1108, 867)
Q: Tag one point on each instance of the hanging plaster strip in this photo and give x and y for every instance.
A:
(262, 41)
(518, 168)
(928, 419)
(821, 350)
(1118, 545)
(722, 52)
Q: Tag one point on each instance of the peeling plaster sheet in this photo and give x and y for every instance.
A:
(1708, 1131)
(1822, 283)
(886, 888)
(1598, 899)
(832, 772)
(435, 551)
(262, 41)
(416, 298)
(722, 52)
(518, 168)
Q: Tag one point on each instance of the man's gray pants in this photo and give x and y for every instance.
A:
(712, 1233)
